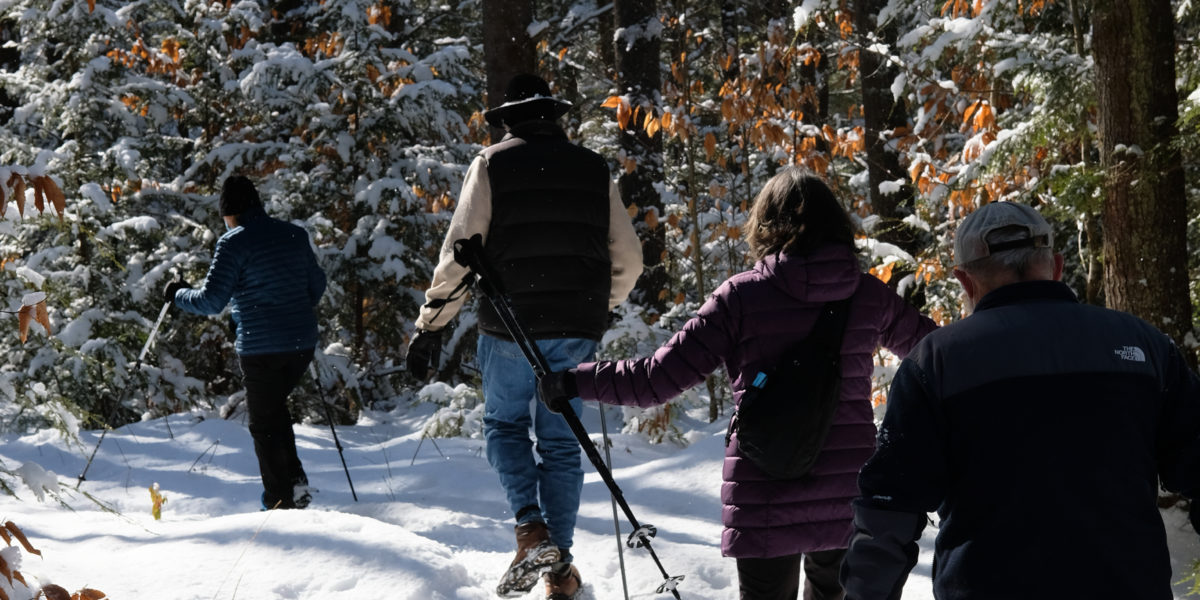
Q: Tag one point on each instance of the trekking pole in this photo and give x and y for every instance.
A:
(616, 522)
(312, 369)
(162, 314)
(469, 253)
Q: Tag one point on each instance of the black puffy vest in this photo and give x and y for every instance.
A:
(548, 236)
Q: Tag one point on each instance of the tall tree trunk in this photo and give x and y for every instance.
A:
(605, 29)
(507, 47)
(638, 77)
(1145, 213)
(882, 112)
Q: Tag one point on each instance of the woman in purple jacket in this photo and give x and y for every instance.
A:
(803, 243)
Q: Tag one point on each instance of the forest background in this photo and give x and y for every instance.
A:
(357, 119)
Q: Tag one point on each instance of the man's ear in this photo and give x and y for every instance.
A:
(969, 284)
(1058, 266)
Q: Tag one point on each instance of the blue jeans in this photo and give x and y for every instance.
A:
(553, 479)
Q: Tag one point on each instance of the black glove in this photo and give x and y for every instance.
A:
(557, 389)
(174, 286)
(423, 352)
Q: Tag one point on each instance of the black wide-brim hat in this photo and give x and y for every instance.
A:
(526, 98)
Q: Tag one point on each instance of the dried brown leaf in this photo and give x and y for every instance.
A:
(5, 571)
(39, 201)
(17, 184)
(42, 316)
(91, 6)
(24, 318)
(20, 535)
(3, 595)
(7, 538)
(55, 196)
(54, 592)
(90, 594)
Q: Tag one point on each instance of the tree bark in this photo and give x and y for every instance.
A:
(1145, 212)
(507, 48)
(882, 112)
(637, 54)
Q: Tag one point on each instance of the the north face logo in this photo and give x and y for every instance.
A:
(1132, 353)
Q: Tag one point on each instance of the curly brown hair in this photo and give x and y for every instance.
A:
(795, 213)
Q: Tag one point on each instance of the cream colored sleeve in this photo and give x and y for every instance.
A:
(472, 215)
(624, 248)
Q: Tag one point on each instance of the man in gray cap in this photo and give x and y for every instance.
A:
(1038, 428)
(557, 233)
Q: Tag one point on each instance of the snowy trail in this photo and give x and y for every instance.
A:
(429, 524)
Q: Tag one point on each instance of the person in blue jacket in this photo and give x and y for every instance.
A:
(267, 269)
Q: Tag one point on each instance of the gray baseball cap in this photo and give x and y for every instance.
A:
(974, 239)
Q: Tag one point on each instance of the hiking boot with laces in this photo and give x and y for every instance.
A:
(535, 554)
(563, 582)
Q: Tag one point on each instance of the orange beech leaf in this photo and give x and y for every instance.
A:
(680, 298)
(20, 535)
(883, 272)
(54, 592)
(90, 594)
(624, 114)
(5, 571)
(710, 144)
(611, 102)
(91, 6)
(652, 219)
(54, 195)
(630, 165)
(562, 53)
(650, 124)
(42, 316)
(17, 184)
(3, 595)
(24, 317)
(632, 210)
(5, 536)
(673, 220)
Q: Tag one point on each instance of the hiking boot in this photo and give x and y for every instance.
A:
(535, 554)
(563, 582)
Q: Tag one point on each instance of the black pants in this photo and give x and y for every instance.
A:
(268, 379)
(779, 578)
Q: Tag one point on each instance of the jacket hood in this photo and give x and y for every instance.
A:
(829, 273)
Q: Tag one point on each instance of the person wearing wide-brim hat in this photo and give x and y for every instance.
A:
(563, 246)
(527, 98)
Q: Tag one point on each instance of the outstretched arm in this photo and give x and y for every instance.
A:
(219, 283)
(905, 479)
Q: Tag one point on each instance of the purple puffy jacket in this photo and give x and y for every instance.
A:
(747, 324)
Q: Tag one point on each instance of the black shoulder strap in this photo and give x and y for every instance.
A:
(831, 325)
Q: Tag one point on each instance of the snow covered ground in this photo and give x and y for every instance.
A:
(430, 521)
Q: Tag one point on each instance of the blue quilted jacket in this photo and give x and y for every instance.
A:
(267, 268)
